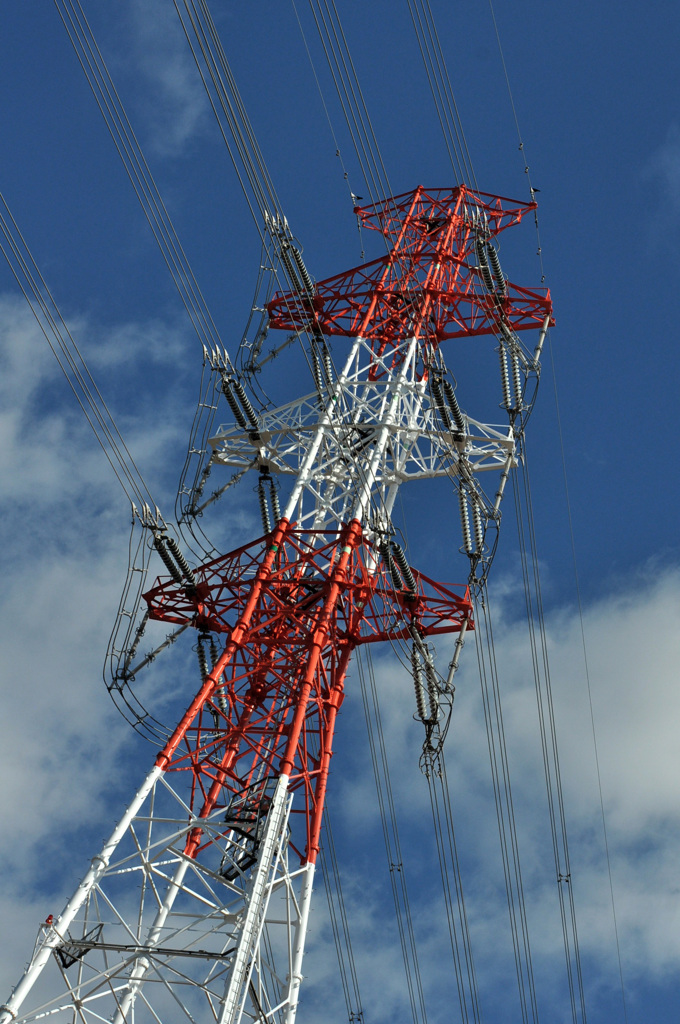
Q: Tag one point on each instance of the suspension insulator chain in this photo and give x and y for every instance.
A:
(245, 402)
(219, 693)
(432, 686)
(435, 387)
(516, 379)
(168, 561)
(426, 695)
(496, 268)
(236, 410)
(465, 520)
(307, 282)
(404, 568)
(453, 406)
(291, 269)
(328, 366)
(202, 657)
(139, 633)
(417, 670)
(203, 666)
(181, 562)
(274, 497)
(264, 507)
(478, 527)
(322, 367)
(316, 369)
(386, 552)
(505, 379)
(484, 265)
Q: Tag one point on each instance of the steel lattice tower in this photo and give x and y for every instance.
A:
(199, 901)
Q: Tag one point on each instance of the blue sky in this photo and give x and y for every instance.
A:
(596, 91)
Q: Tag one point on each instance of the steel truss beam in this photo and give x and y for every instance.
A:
(426, 282)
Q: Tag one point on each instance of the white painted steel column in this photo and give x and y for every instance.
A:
(299, 950)
(235, 994)
(381, 443)
(541, 339)
(307, 469)
(142, 965)
(57, 933)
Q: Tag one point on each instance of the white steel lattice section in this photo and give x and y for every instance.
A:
(357, 412)
(155, 935)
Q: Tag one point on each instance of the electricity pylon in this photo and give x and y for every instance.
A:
(198, 904)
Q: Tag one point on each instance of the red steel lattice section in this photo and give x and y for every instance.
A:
(426, 284)
(293, 607)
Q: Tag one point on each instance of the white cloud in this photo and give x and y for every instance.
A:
(665, 165)
(662, 172)
(67, 759)
(178, 104)
(69, 764)
(47, 451)
(633, 653)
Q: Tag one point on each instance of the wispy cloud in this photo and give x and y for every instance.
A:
(176, 106)
(68, 761)
(633, 649)
(69, 764)
(661, 174)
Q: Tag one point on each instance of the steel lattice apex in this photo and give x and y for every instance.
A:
(425, 286)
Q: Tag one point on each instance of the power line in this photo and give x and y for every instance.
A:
(129, 150)
(548, 732)
(74, 368)
(586, 665)
(432, 55)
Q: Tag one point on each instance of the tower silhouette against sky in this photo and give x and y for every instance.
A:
(198, 904)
